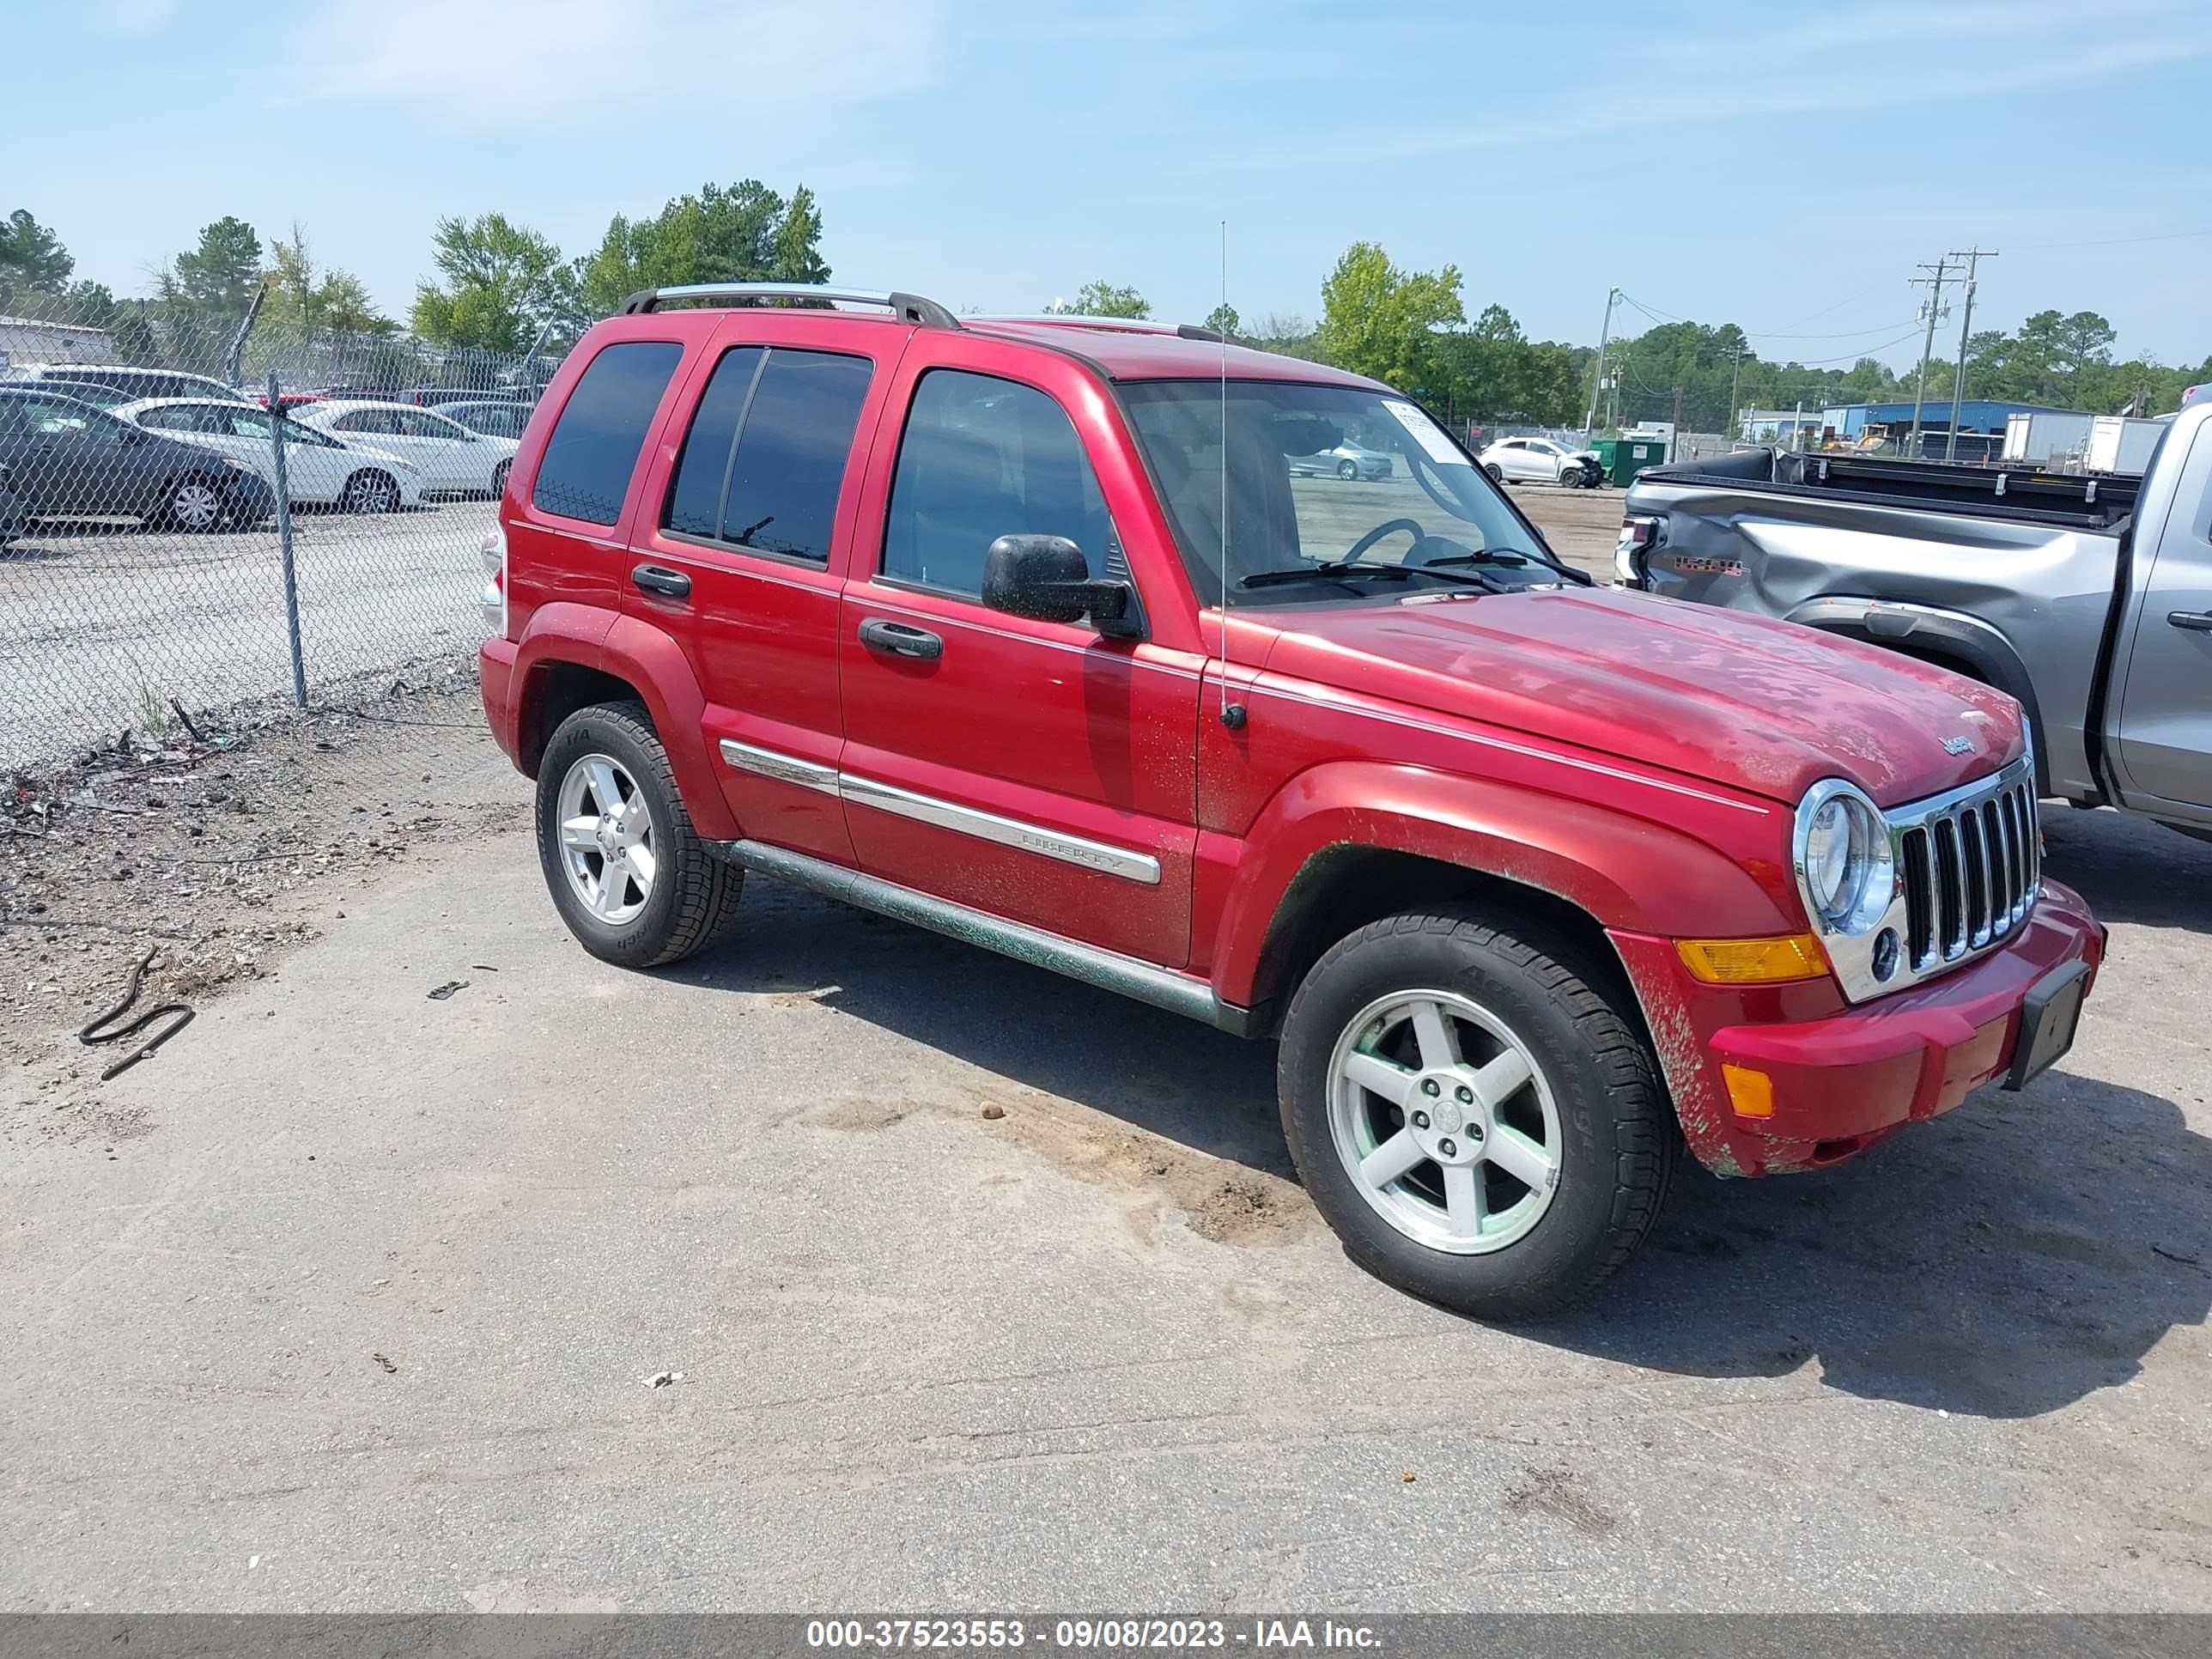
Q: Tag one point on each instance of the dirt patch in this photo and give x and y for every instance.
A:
(226, 846)
(852, 1114)
(1559, 1493)
(1220, 1201)
(1223, 1202)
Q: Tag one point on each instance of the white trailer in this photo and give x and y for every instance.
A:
(2118, 443)
(2046, 435)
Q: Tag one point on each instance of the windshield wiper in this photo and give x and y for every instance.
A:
(1504, 558)
(1351, 570)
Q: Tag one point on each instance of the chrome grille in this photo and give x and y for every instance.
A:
(1968, 865)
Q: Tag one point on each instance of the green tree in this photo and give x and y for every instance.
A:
(1224, 321)
(1105, 299)
(306, 300)
(32, 257)
(503, 282)
(1287, 334)
(219, 276)
(741, 233)
(1381, 321)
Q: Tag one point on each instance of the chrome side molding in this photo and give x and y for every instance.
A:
(1102, 856)
(1007, 832)
(1163, 987)
(784, 768)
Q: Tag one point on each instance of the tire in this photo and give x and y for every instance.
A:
(194, 502)
(1348, 471)
(499, 479)
(1496, 472)
(1590, 1104)
(684, 902)
(370, 491)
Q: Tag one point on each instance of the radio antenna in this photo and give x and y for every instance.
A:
(1232, 714)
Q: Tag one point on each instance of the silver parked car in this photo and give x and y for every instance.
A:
(1347, 460)
(2087, 598)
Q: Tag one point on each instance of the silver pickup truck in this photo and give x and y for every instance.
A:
(2087, 598)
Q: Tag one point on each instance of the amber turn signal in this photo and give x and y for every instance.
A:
(1753, 961)
(1752, 1093)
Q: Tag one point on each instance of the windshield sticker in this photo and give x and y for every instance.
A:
(1426, 433)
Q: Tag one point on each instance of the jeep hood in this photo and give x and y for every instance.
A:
(1768, 707)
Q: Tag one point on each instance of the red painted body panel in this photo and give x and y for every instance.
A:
(1762, 705)
(1043, 722)
(1841, 1074)
(1638, 760)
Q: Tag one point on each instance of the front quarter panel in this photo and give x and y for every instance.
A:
(1700, 876)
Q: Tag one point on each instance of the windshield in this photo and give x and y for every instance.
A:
(1358, 490)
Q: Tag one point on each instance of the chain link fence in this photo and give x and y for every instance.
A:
(157, 578)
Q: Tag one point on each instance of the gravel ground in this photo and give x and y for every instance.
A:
(851, 1268)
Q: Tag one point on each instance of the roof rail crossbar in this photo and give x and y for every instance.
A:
(908, 307)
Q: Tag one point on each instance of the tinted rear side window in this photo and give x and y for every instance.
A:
(778, 493)
(586, 470)
(694, 502)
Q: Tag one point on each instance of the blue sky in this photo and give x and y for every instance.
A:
(1753, 163)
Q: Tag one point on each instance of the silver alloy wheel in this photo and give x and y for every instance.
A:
(1445, 1121)
(1347, 471)
(196, 505)
(606, 839)
(371, 492)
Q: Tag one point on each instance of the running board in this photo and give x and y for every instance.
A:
(1163, 987)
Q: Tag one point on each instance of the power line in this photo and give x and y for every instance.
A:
(1664, 316)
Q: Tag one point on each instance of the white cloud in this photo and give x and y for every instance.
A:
(1827, 67)
(525, 63)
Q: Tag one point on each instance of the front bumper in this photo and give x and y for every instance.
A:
(1843, 1077)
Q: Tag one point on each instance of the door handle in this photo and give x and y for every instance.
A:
(2196, 621)
(659, 579)
(899, 640)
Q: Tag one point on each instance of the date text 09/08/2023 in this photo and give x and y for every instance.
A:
(1109, 1634)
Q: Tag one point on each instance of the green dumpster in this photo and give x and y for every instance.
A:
(1622, 459)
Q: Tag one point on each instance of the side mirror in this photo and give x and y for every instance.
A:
(1046, 578)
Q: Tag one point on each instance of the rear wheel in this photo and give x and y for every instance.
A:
(1475, 1117)
(626, 867)
(195, 504)
(370, 491)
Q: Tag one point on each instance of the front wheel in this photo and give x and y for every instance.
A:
(1496, 472)
(370, 491)
(1475, 1117)
(627, 869)
(1347, 471)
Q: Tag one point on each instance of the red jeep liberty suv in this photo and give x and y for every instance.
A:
(1025, 631)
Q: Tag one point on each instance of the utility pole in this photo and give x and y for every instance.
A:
(1972, 255)
(1735, 380)
(1935, 282)
(1597, 380)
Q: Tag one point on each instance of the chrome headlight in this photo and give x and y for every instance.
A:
(1846, 869)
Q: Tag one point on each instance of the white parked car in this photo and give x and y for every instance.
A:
(452, 459)
(320, 470)
(1539, 460)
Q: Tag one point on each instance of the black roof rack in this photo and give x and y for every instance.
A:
(907, 308)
